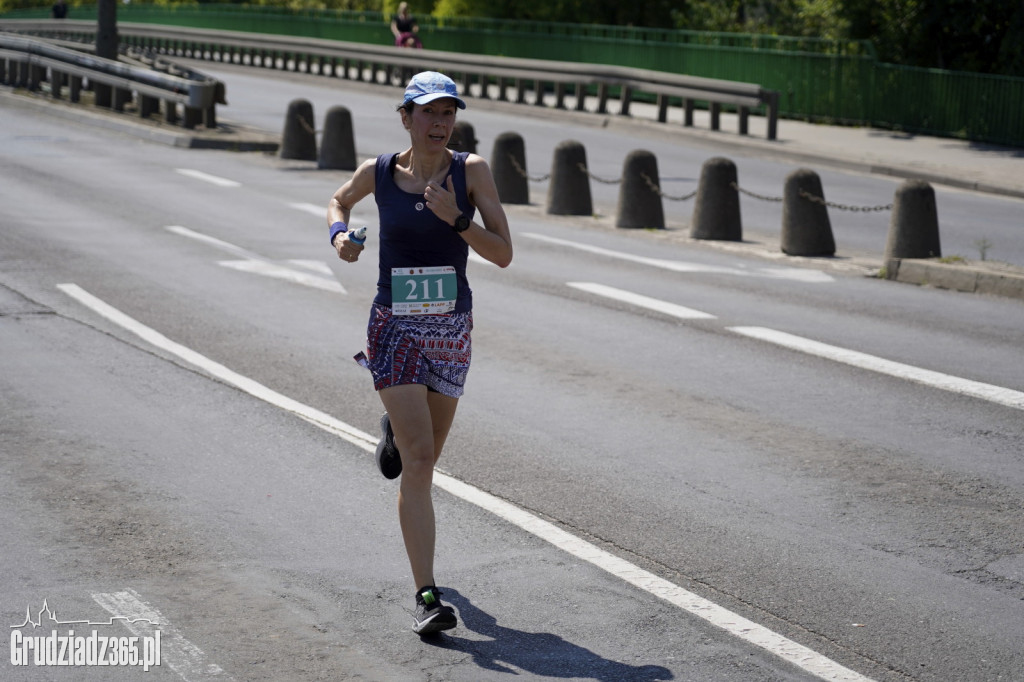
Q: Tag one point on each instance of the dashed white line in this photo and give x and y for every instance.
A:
(641, 301)
(213, 241)
(206, 177)
(796, 274)
(312, 209)
(732, 623)
(946, 382)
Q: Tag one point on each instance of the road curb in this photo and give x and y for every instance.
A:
(956, 276)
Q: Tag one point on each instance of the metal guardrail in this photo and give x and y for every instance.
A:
(480, 75)
(29, 62)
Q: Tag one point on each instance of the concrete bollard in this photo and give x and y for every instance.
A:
(806, 230)
(338, 146)
(508, 166)
(463, 138)
(716, 212)
(299, 139)
(639, 197)
(914, 226)
(569, 189)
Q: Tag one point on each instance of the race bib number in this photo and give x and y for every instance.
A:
(423, 291)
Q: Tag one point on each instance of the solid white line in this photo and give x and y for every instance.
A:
(206, 177)
(215, 369)
(976, 389)
(679, 311)
(176, 652)
(797, 274)
(732, 623)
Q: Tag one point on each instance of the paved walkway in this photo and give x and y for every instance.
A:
(956, 163)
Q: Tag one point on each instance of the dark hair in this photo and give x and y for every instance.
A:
(408, 106)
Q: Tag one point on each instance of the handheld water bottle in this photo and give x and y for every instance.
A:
(358, 235)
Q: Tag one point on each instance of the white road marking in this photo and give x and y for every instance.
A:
(317, 266)
(320, 211)
(976, 389)
(268, 269)
(206, 177)
(641, 301)
(213, 241)
(796, 274)
(312, 209)
(176, 652)
(732, 623)
(217, 370)
(257, 264)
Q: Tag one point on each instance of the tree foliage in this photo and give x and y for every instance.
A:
(984, 36)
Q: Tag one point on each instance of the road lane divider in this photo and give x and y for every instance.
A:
(206, 177)
(732, 623)
(217, 370)
(946, 382)
(795, 274)
(641, 301)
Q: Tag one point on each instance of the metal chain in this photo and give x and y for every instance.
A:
(583, 169)
(657, 190)
(751, 194)
(522, 171)
(309, 129)
(685, 197)
(843, 207)
(816, 199)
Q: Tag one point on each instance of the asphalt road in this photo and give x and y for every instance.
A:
(793, 472)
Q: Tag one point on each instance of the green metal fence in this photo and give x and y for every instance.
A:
(819, 80)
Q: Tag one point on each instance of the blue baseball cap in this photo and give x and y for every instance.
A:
(430, 85)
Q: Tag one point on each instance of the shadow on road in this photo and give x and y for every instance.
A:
(540, 653)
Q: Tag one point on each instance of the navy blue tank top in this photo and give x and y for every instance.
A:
(412, 236)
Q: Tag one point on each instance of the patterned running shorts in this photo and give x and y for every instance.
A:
(433, 350)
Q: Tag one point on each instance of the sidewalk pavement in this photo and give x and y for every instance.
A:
(942, 161)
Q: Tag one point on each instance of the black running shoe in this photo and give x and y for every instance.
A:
(388, 460)
(431, 615)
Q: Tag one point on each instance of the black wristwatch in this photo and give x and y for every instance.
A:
(461, 224)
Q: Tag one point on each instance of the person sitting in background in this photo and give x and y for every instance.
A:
(59, 10)
(405, 28)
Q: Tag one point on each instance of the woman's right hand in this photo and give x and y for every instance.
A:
(347, 249)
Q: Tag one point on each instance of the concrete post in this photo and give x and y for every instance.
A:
(639, 200)
(716, 212)
(299, 139)
(914, 227)
(463, 138)
(806, 230)
(338, 146)
(569, 189)
(508, 166)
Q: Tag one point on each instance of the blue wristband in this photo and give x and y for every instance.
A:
(336, 228)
